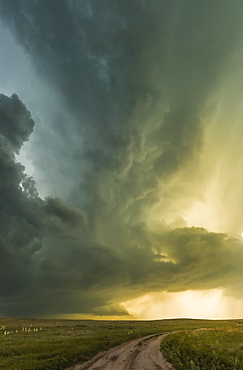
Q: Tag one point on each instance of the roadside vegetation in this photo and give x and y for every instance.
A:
(27, 344)
(207, 349)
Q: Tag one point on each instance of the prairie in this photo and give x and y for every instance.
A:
(30, 344)
(215, 348)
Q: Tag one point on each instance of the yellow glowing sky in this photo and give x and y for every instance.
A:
(208, 304)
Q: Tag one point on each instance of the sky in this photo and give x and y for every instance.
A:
(121, 167)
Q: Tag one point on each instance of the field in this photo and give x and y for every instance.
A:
(28, 344)
(214, 349)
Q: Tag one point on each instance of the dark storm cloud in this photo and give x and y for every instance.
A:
(16, 123)
(71, 216)
(138, 79)
(19, 216)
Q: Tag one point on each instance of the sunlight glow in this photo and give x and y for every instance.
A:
(202, 214)
(208, 304)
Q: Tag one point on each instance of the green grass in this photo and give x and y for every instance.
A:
(59, 344)
(212, 349)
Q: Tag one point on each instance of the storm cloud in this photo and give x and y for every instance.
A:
(136, 86)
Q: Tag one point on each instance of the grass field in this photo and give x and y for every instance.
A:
(27, 344)
(209, 349)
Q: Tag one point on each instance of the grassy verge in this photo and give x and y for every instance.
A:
(27, 344)
(214, 349)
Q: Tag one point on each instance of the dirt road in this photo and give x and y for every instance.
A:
(141, 354)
